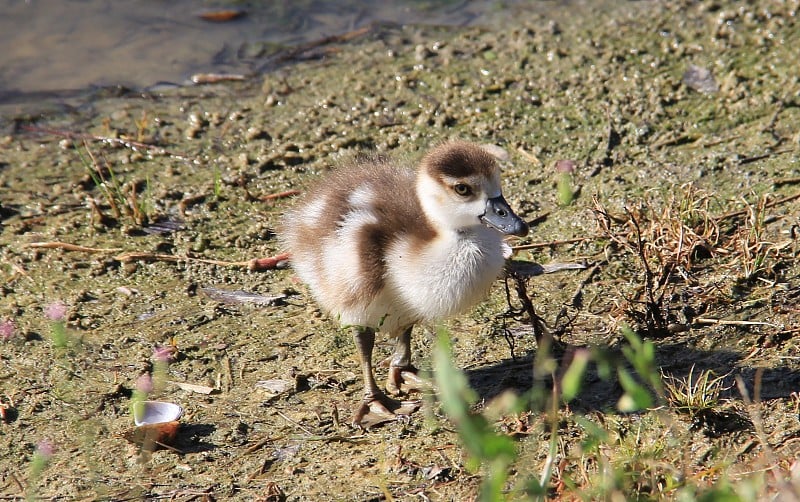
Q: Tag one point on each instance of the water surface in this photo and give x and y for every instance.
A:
(58, 48)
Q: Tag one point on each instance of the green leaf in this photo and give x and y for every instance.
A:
(595, 435)
(636, 396)
(456, 395)
(573, 377)
(499, 447)
(495, 452)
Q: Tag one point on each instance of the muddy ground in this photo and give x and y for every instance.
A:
(705, 166)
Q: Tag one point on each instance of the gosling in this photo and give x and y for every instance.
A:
(383, 247)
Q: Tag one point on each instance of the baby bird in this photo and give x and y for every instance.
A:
(383, 247)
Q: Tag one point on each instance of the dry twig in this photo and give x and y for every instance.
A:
(538, 245)
(133, 145)
(255, 264)
(279, 195)
(71, 247)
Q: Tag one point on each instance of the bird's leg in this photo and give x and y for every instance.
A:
(403, 376)
(365, 341)
(376, 407)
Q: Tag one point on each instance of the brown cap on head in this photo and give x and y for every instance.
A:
(459, 159)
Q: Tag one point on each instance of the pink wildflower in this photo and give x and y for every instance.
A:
(565, 166)
(45, 448)
(164, 354)
(144, 383)
(6, 329)
(56, 311)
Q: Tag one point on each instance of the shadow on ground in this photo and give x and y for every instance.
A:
(673, 359)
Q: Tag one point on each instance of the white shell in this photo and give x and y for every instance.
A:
(155, 412)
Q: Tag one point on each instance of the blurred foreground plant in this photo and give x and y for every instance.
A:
(152, 383)
(144, 386)
(565, 170)
(629, 456)
(642, 356)
(41, 458)
(486, 448)
(56, 312)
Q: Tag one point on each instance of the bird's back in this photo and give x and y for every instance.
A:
(339, 232)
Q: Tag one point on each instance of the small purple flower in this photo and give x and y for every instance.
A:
(7, 328)
(45, 448)
(56, 311)
(144, 383)
(164, 354)
(565, 166)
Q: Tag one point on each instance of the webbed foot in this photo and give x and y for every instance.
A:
(381, 409)
(402, 381)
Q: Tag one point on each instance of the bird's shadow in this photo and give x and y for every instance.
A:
(674, 359)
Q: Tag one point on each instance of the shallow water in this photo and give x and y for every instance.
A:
(57, 48)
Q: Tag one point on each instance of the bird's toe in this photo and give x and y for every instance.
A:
(403, 381)
(381, 409)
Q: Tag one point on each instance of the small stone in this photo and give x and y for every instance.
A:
(293, 158)
(700, 79)
(254, 133)
(242, 161)
(119, 115)
(422, 53)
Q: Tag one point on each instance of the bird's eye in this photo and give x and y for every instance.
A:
(462, 189)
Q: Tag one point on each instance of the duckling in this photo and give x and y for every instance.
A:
(383, 247)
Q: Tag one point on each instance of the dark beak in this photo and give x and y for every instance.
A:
(499, 216)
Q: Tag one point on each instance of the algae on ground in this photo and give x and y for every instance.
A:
(596, 84)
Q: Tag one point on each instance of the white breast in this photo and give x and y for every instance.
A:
(447, 276)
